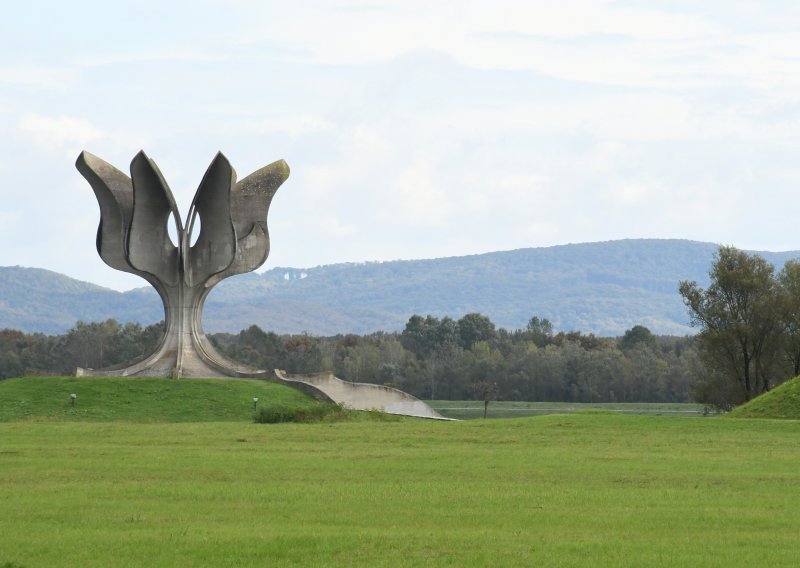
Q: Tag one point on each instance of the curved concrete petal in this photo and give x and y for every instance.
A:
(149, 247)
(215, 248)
(250, 201)
(114, 193)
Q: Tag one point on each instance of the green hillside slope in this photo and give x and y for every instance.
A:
(135, 399)
(780, 402)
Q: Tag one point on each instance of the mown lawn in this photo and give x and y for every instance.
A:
(558, 490)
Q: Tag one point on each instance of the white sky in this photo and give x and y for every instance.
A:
(413, 129)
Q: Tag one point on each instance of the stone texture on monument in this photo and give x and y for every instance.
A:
(133, 236)
(233, 239)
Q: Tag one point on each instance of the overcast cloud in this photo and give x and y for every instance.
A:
(412, 131)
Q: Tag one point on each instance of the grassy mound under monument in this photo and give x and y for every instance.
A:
(142, 399)
(782, 402)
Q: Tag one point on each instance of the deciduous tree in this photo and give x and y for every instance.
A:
(739, 316)
(789, 277)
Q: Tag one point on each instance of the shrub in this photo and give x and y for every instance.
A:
(273, 414)
(323, 412)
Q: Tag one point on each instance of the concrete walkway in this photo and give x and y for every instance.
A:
(359, 396)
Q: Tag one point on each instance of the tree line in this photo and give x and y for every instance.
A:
(93, 345)
(749, 320)
(432, 358)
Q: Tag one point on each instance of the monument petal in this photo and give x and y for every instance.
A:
(149, 247)
(114, 193)
(215, 248)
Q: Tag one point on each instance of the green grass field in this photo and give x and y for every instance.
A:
(585, 489)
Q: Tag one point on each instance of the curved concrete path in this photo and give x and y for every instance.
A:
(359, 396)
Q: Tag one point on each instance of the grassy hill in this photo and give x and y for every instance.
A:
(780, 402)
(602, 288)
(139, 399)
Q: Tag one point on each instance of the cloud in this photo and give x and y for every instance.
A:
(58, 132)
(294, 126)
(417, 197)
(50, 78)
(630, 193)
(652, 45)
(184, 55)
(414, 128)
(334, 227)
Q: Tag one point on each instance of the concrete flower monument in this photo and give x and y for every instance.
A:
(229, 219)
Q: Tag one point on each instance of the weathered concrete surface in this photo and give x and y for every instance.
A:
(133, 237)
(363, 396)
(233, 239)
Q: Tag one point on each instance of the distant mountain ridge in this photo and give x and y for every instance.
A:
(602, 288)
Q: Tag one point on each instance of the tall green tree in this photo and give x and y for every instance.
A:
(789, 277)
(89, 345)
(739, 316)
(540, 330)
(424, 336)
(260, 349)
(303, 354)
(475, 327)
(639, 336)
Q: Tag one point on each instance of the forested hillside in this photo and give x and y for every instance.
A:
(37, 300)
(602, 288)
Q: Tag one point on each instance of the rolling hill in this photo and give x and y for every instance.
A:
(602, 288)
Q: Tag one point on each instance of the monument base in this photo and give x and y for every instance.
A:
(324, 386)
